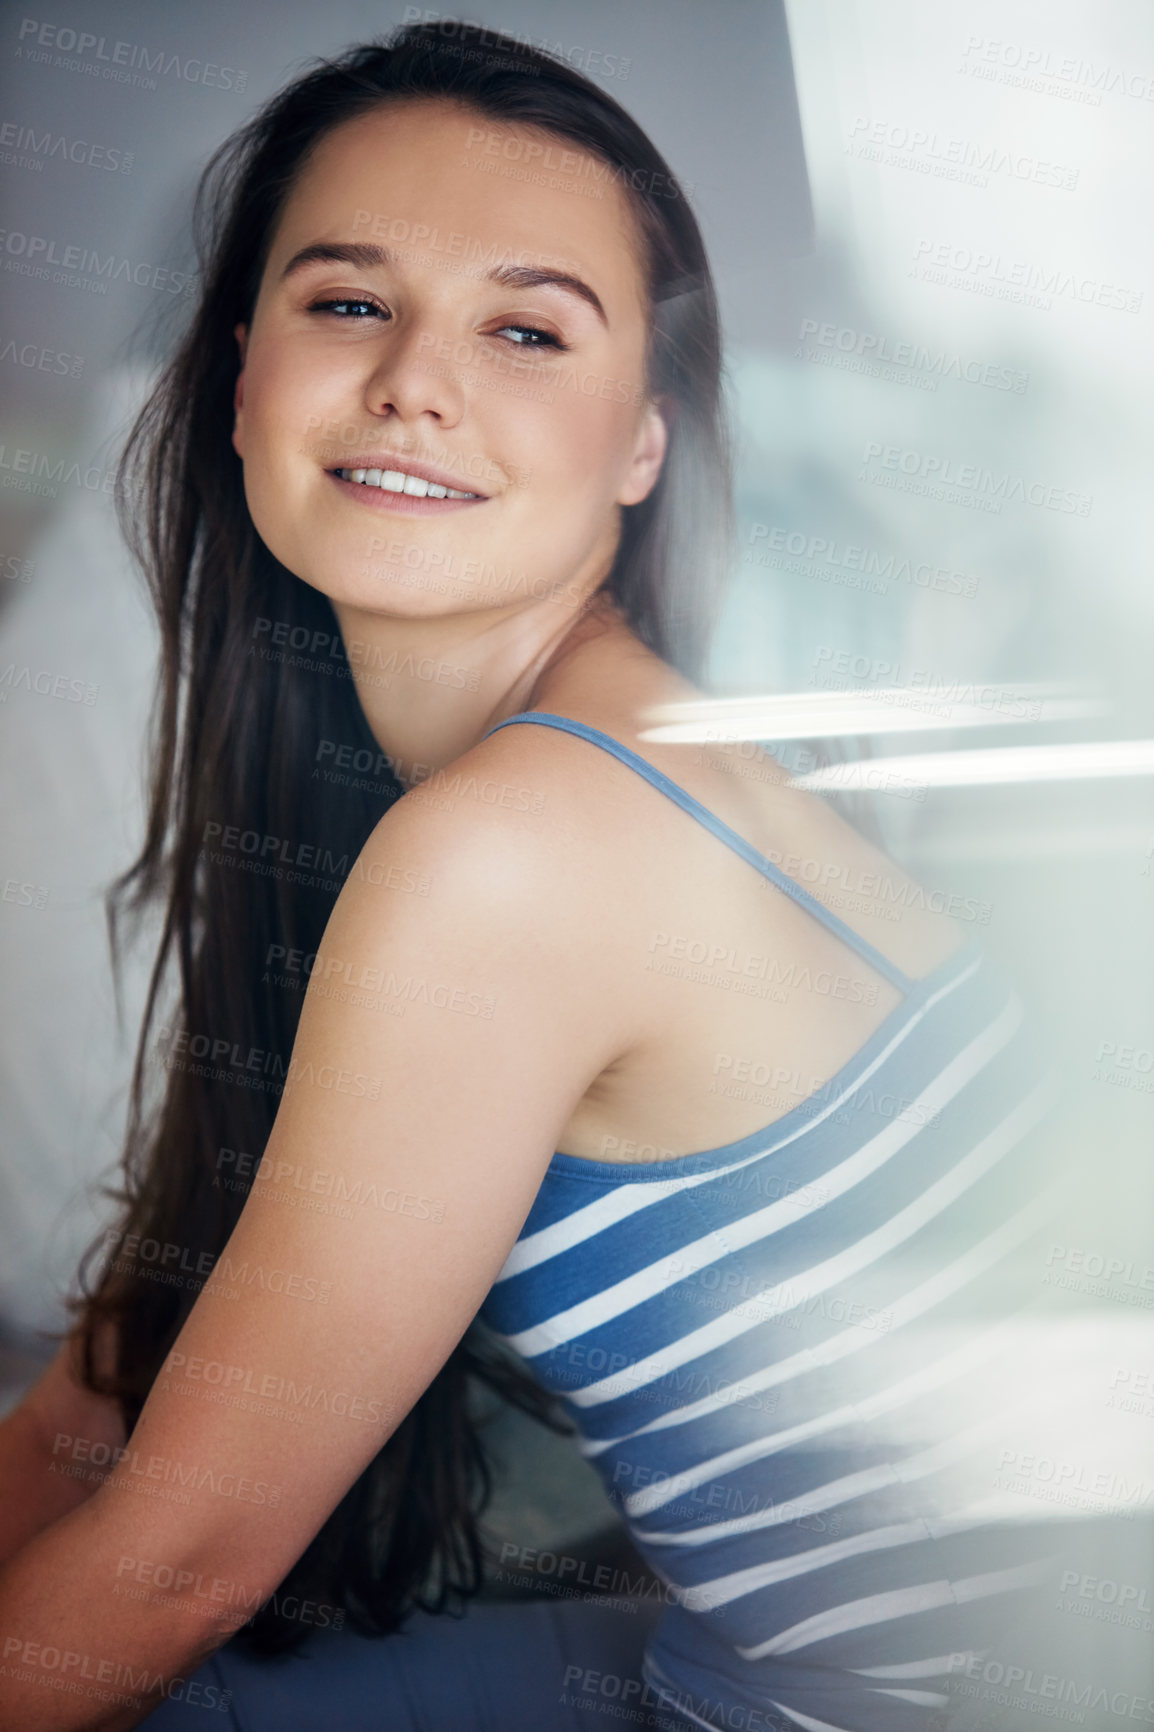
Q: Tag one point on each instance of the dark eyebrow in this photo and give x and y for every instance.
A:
(365, 255)
(361, 253)
(540, 276)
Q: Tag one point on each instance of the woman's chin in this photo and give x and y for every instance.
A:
(394, 593)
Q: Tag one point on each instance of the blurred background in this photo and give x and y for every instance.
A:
(930, 230)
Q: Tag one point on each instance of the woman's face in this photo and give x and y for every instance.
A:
(426, 315)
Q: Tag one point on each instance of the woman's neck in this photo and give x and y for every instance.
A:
(430, 688)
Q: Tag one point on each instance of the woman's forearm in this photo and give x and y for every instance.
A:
(39, 1482)
(76, 1656)
(30, 1496)
(56, 1448)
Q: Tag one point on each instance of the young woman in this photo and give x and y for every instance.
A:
(445, 1076)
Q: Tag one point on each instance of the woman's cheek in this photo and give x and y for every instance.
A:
(578, 434)
(285, 388)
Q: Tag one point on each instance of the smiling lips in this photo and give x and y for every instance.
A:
(415, 490)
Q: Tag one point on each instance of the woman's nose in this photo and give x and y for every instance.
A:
(408, 381)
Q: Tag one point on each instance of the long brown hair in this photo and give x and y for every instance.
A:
(253, 685)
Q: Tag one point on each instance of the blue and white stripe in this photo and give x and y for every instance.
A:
(787, 1398)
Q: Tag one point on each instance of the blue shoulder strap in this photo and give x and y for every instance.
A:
(804, 898)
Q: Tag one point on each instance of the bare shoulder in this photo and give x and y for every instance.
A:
(523, 809)
(500, 869)
(744, 786)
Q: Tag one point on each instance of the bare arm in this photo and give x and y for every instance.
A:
(47, 1445)
(442, 1046)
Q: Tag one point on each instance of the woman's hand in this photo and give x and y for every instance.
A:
(444, 1041)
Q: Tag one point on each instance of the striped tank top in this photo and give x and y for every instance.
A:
(785, 1355)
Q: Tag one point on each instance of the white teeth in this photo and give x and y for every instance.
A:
(396, 481)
